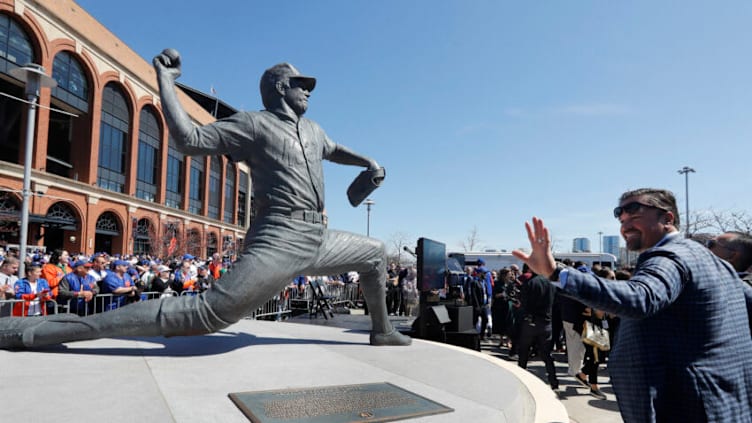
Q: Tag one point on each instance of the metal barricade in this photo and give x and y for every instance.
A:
(155, 295)
(104, 302)
(7, 307)
(276, 308)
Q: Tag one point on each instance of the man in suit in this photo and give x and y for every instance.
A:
(684, 352)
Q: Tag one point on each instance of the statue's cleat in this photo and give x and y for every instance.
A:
(390, 338)
(12, 330)
(18, 332)
(11, 339)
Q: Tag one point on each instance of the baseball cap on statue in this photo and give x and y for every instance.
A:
(307, 82)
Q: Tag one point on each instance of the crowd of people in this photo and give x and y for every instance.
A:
(59, 280)
(529, 317)
(678, 323)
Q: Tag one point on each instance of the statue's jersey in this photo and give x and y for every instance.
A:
(285, 156)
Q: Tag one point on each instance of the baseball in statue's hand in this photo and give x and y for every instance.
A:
(170, 58)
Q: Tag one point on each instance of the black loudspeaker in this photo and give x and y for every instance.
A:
(440, 315)
(461, 319)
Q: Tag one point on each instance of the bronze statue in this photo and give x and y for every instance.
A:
(288, 237)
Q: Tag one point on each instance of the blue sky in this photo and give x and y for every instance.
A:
(486, 113)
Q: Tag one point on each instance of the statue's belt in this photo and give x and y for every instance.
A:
(308, 216)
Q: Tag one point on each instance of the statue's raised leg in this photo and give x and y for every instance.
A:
(344, 251)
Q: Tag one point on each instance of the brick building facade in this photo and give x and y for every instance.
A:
(104, 174)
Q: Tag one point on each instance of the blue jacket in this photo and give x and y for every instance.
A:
(684, 351)
(487, 284)
(23, 290)
(73, 283)
(22, 287)
(112, 282)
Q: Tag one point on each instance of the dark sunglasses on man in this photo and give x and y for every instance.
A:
(632, 208)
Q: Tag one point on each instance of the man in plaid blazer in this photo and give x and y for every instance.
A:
(684, 352)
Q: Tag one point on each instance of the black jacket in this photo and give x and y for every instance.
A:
(537, 298)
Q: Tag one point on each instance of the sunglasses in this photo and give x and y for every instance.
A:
(632, 208)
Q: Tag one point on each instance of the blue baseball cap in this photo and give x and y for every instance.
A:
(122, 263)
(81, 263)
(188, 257)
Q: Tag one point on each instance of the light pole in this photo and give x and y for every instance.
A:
(368, 204)
(686, 170)
(35, 78)
(600, 242)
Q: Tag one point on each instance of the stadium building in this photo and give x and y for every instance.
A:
(105, 175)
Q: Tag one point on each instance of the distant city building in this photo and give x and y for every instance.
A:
(581, 245)
(611, 244)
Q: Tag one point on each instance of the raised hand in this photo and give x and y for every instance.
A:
(167, 63)
(540, 260)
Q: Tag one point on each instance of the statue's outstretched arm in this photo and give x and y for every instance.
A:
(221, 137)
(344, 155)
(167, 65)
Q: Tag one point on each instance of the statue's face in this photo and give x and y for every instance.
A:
(296, 96)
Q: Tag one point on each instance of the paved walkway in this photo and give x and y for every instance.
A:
(581, 407)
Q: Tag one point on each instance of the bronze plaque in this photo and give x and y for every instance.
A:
(370, 402)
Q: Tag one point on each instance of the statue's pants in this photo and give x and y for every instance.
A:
(277, 249)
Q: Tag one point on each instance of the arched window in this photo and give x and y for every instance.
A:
(211, 244)
(61, 214)
(242, 197)
(72, 87)
(196, 194)
(107, 224)
(10, 210)
(60, 218)
(174, 185)
(143, 236)
(148, 155)
(215, 187)
(15, 46)
(113, 139)
(15, 50)
(71, 94)
(193, 242)
(229, 210)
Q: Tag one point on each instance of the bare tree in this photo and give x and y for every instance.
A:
(555, 243)
(711, 221)
(395, 252)
(472, 241)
